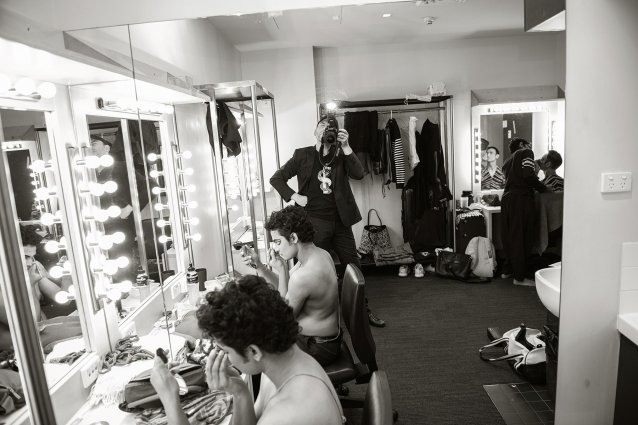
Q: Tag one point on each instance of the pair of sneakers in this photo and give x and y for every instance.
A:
(404, 271)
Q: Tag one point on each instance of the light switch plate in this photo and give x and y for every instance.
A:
(615, 182)
(91, 370)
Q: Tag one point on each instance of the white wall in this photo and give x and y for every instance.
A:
(289, 75)
(588, 357)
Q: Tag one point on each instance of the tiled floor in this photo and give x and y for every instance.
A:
(522, 404)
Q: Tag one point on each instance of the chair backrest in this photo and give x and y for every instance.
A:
(355, 316)
(377, 406)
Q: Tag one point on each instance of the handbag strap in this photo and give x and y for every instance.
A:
(378, 218)
(501, 358)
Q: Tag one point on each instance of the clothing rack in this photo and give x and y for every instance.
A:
(442, 104)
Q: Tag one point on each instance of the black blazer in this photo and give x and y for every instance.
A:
(300, 165)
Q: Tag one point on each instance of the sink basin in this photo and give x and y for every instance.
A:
(548, 288)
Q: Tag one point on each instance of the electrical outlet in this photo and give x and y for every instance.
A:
(615, 182)
(128, 330)
(91, 370)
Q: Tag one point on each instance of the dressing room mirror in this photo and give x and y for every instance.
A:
(28, 151)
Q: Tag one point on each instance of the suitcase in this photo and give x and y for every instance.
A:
(469, 224)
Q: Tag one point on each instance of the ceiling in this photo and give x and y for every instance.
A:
(363, 24)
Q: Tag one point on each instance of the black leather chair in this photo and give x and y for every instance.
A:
(355, 316)
(377, 407)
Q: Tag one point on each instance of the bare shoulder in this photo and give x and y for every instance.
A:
(305, 400)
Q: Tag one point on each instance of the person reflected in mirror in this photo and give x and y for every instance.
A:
(484, 144)
(517, 210)
(549, 163)
(255, 333)
(311, 286)
(125, 223)
(323, 171)
(492, 176)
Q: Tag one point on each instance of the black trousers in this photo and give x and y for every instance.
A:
(517, 225)
(334, 235)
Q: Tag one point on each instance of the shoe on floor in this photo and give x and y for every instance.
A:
(403, 271)
(418, 271)
(375, 321)
(524, 282)
(506, 275)
(430, 268)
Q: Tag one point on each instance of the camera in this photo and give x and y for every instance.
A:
(331, 131)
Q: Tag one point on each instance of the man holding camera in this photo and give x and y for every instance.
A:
(322, 174)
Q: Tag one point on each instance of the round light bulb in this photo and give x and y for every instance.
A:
(25, 86)
(114, 294)
(187, 154)
(118, 237)
(122, 262)
(67, 266)
(196, 237)
(38, 166)
(192, 204)
(154, 174)
(110, 186)
(72, 290)
(92, 161)
(152, 157)
(157, 190)
(47, 90)
(163, 239)
(101, 215)
(125, 286)
(158, 207)
(56, 272)
(51, 247)
(42, 193)
(162, 223)
(47, 219)
(106, 160)
(63, 240)
(106, 243)
(96, 189)
(189, 171)
(5, 83)
(190, 188)
(110, 267)
(114, 211)
(235, 207)
(62, 297)
(194, 221)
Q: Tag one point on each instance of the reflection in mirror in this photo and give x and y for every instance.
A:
(47, 257)
(139, 255)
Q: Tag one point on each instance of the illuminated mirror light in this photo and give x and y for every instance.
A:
(49, 219)
(191, 204)
(57, 272)
(72, 290)
(114, 294)
(114, 211)
(152, 157)
(185, 155)
(44, 193)
(96, 189)
(63, 297)
(195, 237)
(40, 166)
(47, 90)
(188, 171)
(160, 207)
(162, 223)
(110, 267)
(122, 262)
(53, 247)
(193, 221)
(125, 286)
(110, 186)
(163, 239)
(118, 237)
(155, 173)
(105, 243)
(101, 215)
(157, 190)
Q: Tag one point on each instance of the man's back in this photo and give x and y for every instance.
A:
(316, 280)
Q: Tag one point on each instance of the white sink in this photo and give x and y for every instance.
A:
(548, 288)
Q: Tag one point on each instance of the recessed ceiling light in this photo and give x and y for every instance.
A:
(429, 20)
(386, 15)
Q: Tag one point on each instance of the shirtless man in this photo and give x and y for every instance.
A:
(255, 331)
(310, 287)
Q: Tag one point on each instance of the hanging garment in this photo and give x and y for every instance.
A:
(361, 127)
(228, 129)
(433, 162)
(396, 153)
(414, 156)
(377, 153)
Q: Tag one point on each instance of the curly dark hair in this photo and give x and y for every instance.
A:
(249, 312)
(292, 219)
(29, 236)
(516, 143)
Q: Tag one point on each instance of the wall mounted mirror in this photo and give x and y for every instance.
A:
(29, 153)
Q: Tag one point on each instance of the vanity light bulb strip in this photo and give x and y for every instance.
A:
(93, 161)
(40, 166)
(194, 237)
(49, 219)
(187, 171)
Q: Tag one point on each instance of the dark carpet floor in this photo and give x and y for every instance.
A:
(429, 348)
